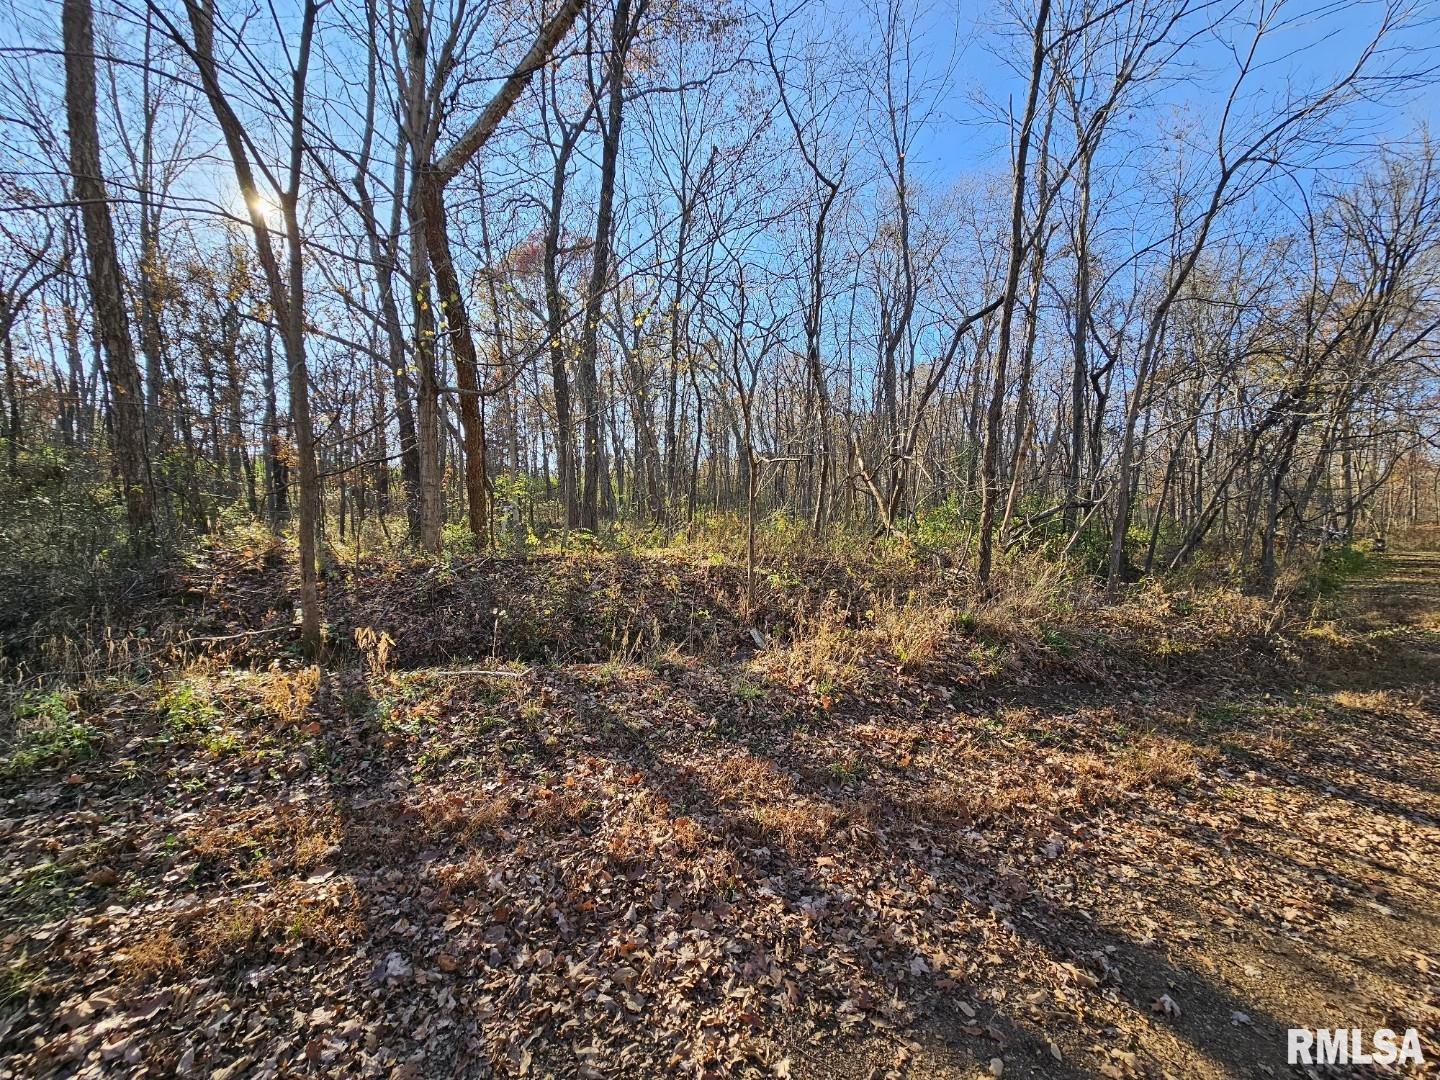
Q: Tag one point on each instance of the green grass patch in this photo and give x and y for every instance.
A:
(49, 733)
(185, 709)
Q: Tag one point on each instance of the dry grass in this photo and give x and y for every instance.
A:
(559, 811)
(1329, 632)
(745, 774)
(1040, 617)
(286, 839)
(1065, 783)
(1023, 600)
(668, 655)
(157, 956)
(1378, 701)
(631, 843)
(644, 830)
(286, 696)
(824, 656)
(768, 808)
(466, 875)
(232, 930)
(238, 931)
(1100, 780)
(795, 824)
(942, 800)
(688, 836)
(458, 817)
(915, 633)
(828, 656)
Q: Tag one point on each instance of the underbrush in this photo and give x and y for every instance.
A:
(1335, 566)
(49, 731)
(830, 619)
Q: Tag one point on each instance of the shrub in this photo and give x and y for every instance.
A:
(1338, 564)
(951, 524)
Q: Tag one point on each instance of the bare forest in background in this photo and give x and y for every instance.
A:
(472, 276)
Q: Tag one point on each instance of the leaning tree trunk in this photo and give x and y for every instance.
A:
(462, 341)
(112, 323)
(286, 287)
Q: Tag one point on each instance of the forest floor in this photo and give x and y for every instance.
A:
(888, 840)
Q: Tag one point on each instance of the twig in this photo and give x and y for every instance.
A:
(232, 637)
(485, 671)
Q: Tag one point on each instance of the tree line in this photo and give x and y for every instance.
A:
(474, 272)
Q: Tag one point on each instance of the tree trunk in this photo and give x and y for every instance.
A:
(600, 267)
(990, 465)
(286, 290)
(559, 373)
(107, 291)
(462, 340)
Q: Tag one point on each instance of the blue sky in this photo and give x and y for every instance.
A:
(1322, 38)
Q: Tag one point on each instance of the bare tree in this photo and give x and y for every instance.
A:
(107, 289)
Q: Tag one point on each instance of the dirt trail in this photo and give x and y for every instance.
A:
(1342, 811)
(1397, 610)
(1297, 886)
(1406, 592)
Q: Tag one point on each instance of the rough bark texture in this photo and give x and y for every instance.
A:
(462, 341)
(600, 268)
(990, 466)
(112, 324)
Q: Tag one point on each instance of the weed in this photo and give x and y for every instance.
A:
(185, 708)
(376, 648)
(850, 768)
(286, 695)
(616, 670)
(50, 733)
(432, 759)
(747, 690)
(16, 982)
(1222, 714)
(1057, 641)
(987, 659)
(48, 888)
(220, 743)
